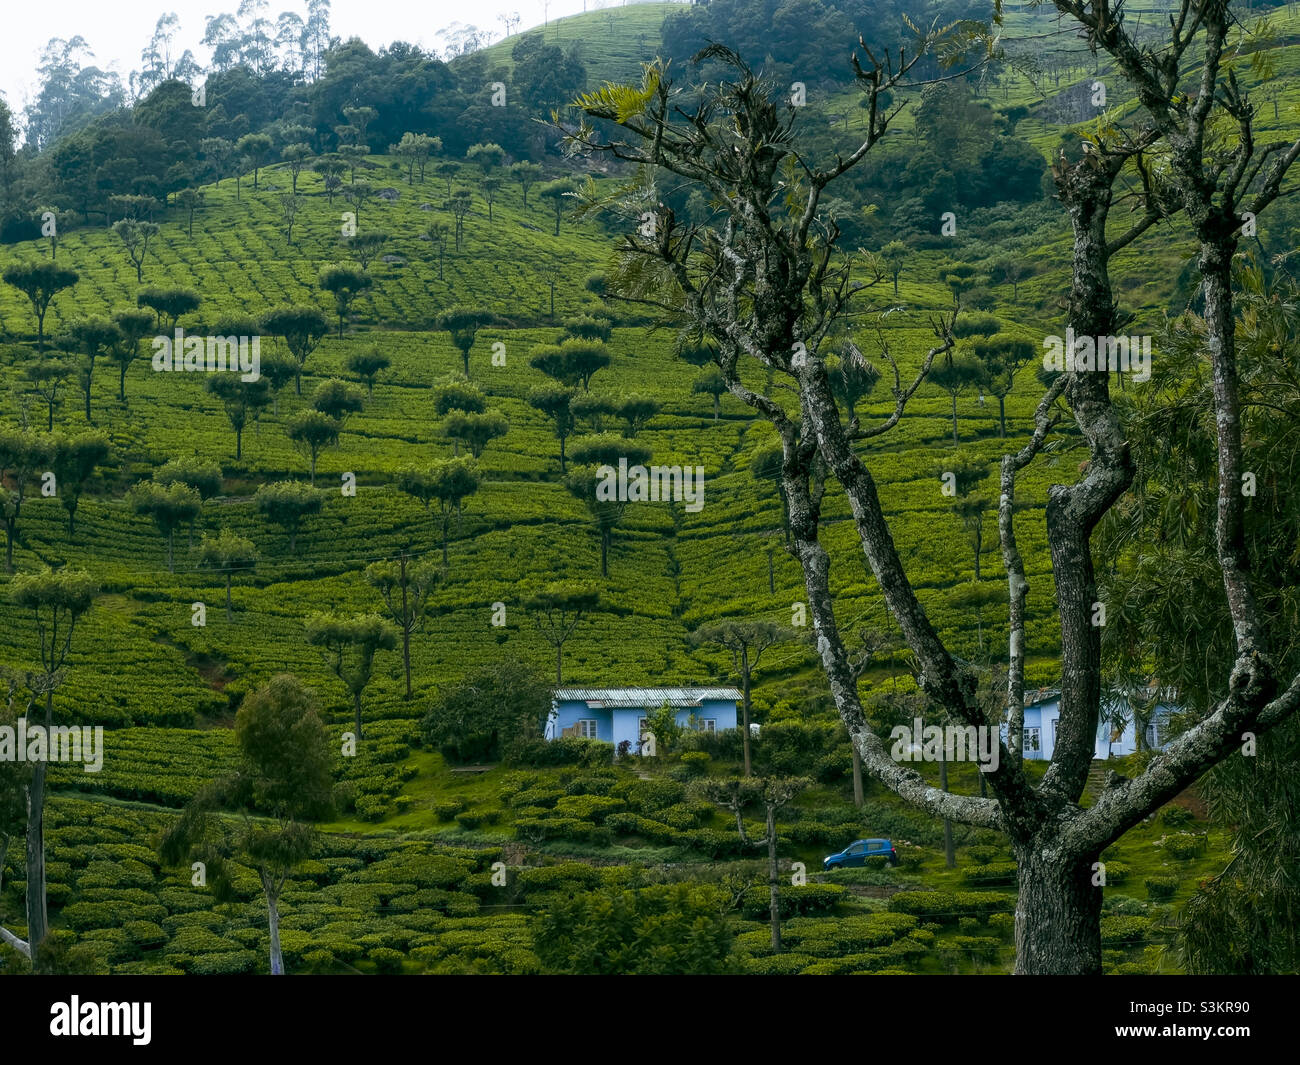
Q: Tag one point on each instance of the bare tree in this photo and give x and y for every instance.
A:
(767, 284)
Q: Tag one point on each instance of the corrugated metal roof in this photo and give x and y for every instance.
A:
(647, 697)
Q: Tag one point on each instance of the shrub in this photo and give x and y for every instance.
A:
(792, 901)
(372, 807)
(86, 915)
(448, 808)
(226, 963)
(982, 855)
(983, 949)
(778, 964)
(591, 783)
(1176, 817)
(593, 808)
(145, 934)
(469, 822)
(540, 797)
(712, 842)
(832, 767)
(1124, 929)
(810, 834)
(386, 960)
(944, 907)
(1161, 888)
(1116, 873)
(567, 750)
(1184, 846)
(995, 873)
(649, 796)
(695, 764)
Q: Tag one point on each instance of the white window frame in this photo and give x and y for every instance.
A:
(582, 724)
(708, 724)
(1037, 734)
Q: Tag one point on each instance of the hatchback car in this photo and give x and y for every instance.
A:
(857, 853)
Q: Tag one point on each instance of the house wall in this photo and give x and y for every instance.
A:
(569, 713)
(625, 720)
(1044, 716)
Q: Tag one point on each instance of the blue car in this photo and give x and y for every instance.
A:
(857, 853)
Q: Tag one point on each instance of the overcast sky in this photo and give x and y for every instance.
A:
(117, 31)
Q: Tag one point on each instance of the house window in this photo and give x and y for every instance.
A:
(587, 728)
(641, 729)
(1032, 742)
(708, 724)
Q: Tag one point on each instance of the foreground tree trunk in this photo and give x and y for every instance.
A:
(38, 921)
(1058, 911)
(273, 923)
(773, 881)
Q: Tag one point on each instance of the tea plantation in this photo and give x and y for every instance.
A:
(425, 867)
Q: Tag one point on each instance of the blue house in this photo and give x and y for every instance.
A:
(1116, 730)
(618, 714)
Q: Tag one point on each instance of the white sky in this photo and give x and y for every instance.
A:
(117, 31)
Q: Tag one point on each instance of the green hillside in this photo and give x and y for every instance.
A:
(404, 877)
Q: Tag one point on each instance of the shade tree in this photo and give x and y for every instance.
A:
(241, 400)
(344, 283)
(463, 324)
(136, 237)
(368, 365)
(592, 410)
(203, 476)
(74, 463)
(133, 326)
(254, 149)
(557, 194)
(90, 338)
(287, 504)
(296, 157)
(56, 602)
(527, 174)
(745, 641)
(311, 432)
(167, 506)
(284, 774)
(226, 554)
(710, 382)
(40, 282)
(1003, 357)
(24, 456)
(338, 399)
(301, 328)
(556, 403)
(170, 303)
(348, 645)
(46, 378)
(557, 608)
(405, 586)
(474, 430)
